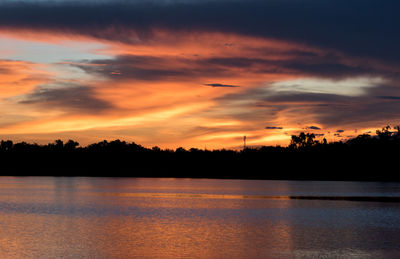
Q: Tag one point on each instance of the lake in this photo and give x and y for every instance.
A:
(77, 217)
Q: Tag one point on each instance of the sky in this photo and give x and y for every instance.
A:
(197, 73)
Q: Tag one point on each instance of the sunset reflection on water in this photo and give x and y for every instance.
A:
(180, 218)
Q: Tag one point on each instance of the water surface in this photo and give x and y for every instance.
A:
(53, 217)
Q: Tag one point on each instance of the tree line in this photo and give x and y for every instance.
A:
(365, 157)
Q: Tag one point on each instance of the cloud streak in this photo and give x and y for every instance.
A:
(67, 97)
(221, 85)
(313, 128)
(372, 26)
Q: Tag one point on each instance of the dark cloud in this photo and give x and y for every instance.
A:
(340, 131)
(237, 62)
(330, 69)
(273, 127)
(67, 97)
(325, 109)
(264, 97)
(363, 28)
(390, 97)
(148, 68)
(130, 67)
(313, 128)
(221, 85)
(318, 65)
(320, 99)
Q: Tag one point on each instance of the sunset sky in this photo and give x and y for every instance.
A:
(197, 73)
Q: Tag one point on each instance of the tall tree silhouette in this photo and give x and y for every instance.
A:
(303, 140)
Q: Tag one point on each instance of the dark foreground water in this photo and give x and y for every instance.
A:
(48, 217)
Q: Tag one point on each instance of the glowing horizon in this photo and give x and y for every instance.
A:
(166, 75)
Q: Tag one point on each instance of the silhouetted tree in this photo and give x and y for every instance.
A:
(156, 149)
(71, 144)
(6, 145)
(303, 140)
(384, 133)
(180, 150)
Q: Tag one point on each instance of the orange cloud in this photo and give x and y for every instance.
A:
(19, 77)
(171, 90)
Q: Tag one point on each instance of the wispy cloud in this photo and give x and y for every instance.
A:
(221, 85)
(313, 128)
(312, 22)
(66, 97)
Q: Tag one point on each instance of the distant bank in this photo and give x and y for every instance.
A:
(364, 158)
